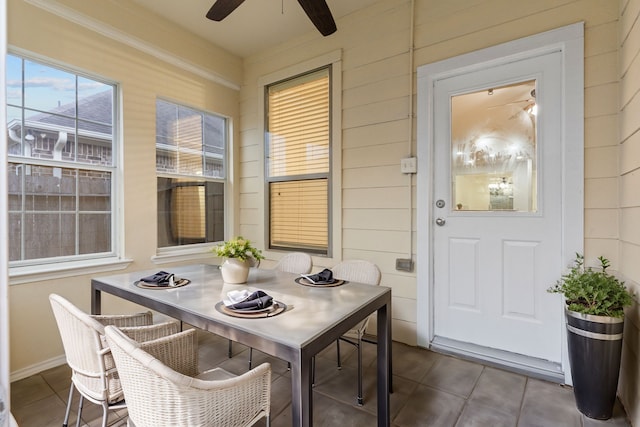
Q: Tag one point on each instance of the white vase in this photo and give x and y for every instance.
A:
(235, 270)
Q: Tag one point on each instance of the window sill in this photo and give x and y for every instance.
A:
(38, 273)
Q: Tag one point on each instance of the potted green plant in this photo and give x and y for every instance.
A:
(239, 255)
(595, 301)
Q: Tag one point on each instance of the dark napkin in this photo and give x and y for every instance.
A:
(325, 276)
(256, 301)
(161, 278)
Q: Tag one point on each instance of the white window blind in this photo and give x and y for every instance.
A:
(298, 162)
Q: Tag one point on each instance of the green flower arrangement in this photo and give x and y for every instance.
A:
(239, 248)
(594, 292)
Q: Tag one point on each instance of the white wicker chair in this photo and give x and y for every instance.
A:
(362, 272)
(293, 262)
(163, 388)
(93, 371)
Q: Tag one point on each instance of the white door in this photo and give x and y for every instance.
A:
(497, 193)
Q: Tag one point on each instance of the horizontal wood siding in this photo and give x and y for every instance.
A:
(629, 267)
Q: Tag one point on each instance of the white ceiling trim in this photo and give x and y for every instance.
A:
(108, 31)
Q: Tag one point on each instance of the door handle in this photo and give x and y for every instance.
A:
(440, 221)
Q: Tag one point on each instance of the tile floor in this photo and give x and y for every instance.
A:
(430, 389)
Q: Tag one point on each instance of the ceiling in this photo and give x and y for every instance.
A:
(253, 26)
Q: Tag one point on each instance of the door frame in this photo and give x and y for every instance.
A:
(569, 40)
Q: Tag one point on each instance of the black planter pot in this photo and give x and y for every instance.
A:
(595, 347)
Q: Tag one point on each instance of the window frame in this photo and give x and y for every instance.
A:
(26, 271)
(196, 250)
(298, 178)
(334, 60)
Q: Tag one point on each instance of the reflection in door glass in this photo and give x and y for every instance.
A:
(493, 149)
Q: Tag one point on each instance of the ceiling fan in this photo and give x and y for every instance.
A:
(317, 11)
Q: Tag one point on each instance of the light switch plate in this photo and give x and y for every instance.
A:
(408, 165)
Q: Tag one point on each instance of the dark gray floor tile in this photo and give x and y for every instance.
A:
(453, 375)
(46, 411)
(343, 385)
(212, 351)
(238, 364)
(499, 389)
(411, 362)
(328, 412)
(548, 404)
(430, 407)
(325, 370)
(402, 390)
(29, 390)
(59, 379)
(477, 415)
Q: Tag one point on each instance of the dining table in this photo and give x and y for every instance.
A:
(308, 319)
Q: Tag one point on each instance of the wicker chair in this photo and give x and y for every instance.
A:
(293, 262)
(163, 388)
(362, 272)
(93, 371)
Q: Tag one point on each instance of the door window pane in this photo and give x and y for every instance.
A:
(494, 149)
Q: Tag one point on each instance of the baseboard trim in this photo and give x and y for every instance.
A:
(530, 366)
(37, 368)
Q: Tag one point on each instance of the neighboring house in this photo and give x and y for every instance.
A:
(48, 135)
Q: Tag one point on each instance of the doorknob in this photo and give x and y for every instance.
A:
(440, 221)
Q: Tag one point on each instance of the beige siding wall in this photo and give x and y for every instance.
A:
(629, 105)
(378, 203)
(34, 336)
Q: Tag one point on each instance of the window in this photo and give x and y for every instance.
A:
(190, 162)
(298, 162)
(61, 164)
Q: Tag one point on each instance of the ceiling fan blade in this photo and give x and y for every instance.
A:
(319, 13)
(222, 8)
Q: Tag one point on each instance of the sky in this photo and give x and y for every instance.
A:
(45, 88)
